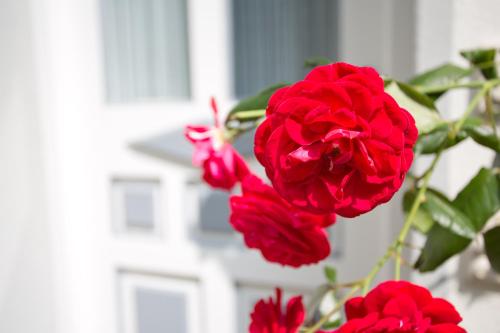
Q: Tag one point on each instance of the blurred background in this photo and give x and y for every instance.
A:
(104, 225)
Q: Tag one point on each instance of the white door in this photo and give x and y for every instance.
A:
(141, 245)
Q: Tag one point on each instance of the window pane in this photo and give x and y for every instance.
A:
(146, 49)
(272, 38)
(139, 210)
(135, 205)
(337, 237)
(214, 210)
(160, 312)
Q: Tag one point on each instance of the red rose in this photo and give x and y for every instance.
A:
(268, 317)
(222, 166)
(336, 142)
(283, 233)
(400, 307)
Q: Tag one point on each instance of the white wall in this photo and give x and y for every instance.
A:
(443, 29)
(25, 262)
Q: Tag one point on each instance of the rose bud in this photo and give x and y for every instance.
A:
(222, 166)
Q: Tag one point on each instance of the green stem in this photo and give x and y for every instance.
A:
(337, 308)
(489, 112)
(378, 266)
(248, 114)
(400, 241)
(472, 105)
(456, 85)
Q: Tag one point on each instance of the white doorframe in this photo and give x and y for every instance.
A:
(84, 142)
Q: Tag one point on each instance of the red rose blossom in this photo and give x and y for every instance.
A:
(336, 142)
(400, 307)
(268, 317)
(282, 232)
(222, 166)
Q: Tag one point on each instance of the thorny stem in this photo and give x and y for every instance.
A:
(396, 247)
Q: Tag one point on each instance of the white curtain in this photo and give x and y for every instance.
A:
(145, 49)
(272, 38)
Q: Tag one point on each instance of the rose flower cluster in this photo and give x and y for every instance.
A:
(333, 143)
(391, 307)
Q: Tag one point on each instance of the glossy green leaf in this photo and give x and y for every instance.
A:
(484, 59)
(423, 221)
(250, 109)
(317, 61)
(483, 135)
(478, 201)
(420, 106)
(441, 245)
(492, 247)
(331, 274)
(447, 215)
(480, 198)
(440, 77)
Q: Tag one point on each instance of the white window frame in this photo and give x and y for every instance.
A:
(131, 282)
(118, 210)
(86, 144)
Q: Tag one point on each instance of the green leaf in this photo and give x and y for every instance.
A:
(483, 135)
(440, 76)
(423, 221)
(420, 106)
(331, 274)
(429, 143)
(447, 215)
(480, 198)
(332, 324)
(246, 109)
(492, 247)
(441, 245)
(484, 59)
(478, 201)
(316, 61)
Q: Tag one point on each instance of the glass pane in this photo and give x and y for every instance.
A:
(139, 210)
(214, 210)
(135, 205)
(272, 38)
(160, 312)
(337, 236)
(146, 49)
